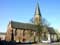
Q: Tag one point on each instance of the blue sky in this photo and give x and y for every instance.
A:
(23, 11)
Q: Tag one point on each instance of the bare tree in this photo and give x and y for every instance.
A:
(44, 22)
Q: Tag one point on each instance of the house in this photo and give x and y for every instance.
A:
(2, 35)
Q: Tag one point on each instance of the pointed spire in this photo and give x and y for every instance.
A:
(37, 16)
(37, 10)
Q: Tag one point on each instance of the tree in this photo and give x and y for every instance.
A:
(44, 22)
(39, 31)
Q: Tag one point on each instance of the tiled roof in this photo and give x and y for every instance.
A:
(29, 26)
(20, 25)
(51, 30)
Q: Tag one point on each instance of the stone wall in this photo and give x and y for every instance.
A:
(19, 34)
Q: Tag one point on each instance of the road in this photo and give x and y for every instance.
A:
(57, 43)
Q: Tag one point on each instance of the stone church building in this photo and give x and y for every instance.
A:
(27, 32)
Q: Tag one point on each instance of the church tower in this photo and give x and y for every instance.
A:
(37, 15)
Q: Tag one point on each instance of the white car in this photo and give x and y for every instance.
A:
(45, 41)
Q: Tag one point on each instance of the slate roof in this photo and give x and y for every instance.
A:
(20, 25)
(29, 26)
(51, 30)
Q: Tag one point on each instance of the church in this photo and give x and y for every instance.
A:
(27, 32)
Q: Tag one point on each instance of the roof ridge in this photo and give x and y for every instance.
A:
(21, 22)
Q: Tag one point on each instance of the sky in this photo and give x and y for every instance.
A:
(23, 11)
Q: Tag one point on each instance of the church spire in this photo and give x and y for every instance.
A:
(37, 16)
(37, 10)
